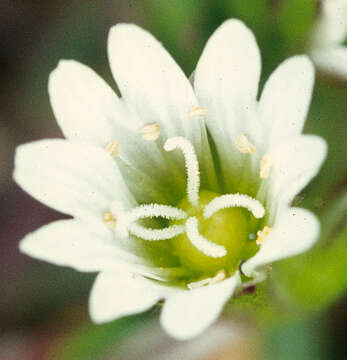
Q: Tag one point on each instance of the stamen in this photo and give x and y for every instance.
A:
(112, 148)
(198, 284)
(262, 234)
(220, 276)
(198, 111)
(265, 166)
(150, 132)
(110, 220)
(205, 246)
(234, 200)
(150, 210)
(192, 166)
(156, 234)
(243, 145)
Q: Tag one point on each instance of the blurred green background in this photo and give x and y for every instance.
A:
(299, 313)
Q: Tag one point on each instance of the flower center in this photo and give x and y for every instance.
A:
(229, 228)
(208, 232)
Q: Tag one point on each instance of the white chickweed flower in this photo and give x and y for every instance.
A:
(176, 190)
(326, 48)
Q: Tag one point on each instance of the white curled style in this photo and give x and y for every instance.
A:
(192, 166)
(234, 200)
(205, 246)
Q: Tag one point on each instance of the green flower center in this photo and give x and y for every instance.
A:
(230, 227)
(206, 235)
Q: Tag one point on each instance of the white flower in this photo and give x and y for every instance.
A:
(122, 162)
(327, 49)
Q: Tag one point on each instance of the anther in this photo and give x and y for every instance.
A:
(192, 166)
(244, 145)
(198, 111)
(112, 148)
(150, 132)
(198, 284)
(262, 234)
(265, 166)
(234, 200)
(205, 246)
(110, 220)
(220, 276)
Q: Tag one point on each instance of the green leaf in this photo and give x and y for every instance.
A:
(260, 304)
(296, 19)
(304, 339)
(175, 24)
(250, 11)
(316, 279)
(332, 216)
(327, 118)
(90, 342)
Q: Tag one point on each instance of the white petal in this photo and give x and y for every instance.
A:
(295, 163)
(331, 60)
(84, 246)
(151, 83)
(188, 313)
(88, 110)
(155, 90)
(229, 68)
(165, 96)
(76, 179)
(286, 98)
(295, 232)
(118, 293)
(331, 27)
(226, 83)
(85, 107)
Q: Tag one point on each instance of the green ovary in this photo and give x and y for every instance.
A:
(229, 227)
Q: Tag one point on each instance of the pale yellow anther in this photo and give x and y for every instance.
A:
(198, 111)
(220, 276)
(262, 234)
(110, 220)
(150, 132)
(244, 145)
(112, 148)
(265, 166)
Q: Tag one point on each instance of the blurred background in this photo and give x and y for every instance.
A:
(299, 313)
